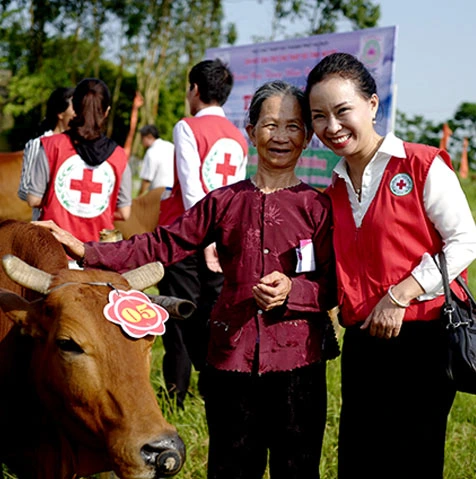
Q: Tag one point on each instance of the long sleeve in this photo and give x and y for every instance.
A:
(30, 154)
(188, 164)
(125, 189)
(167, 244)
(40, 174)
(448, 209)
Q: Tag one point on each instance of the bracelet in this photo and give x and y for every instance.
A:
(394, 300)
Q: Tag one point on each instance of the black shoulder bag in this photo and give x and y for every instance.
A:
(459, 321)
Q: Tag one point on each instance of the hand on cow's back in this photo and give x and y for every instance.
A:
(73, 246)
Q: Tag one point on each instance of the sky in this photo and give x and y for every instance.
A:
(435, 69)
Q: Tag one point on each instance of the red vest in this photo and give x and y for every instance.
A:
(222, 149)
(81, 198)
(394, 235)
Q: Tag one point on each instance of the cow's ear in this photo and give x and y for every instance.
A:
(21, 312)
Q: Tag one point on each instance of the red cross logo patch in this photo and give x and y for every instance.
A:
(401, 184)
(82, 190)
(222, 164)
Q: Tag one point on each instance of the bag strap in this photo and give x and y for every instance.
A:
(459, 279)
(444, 273)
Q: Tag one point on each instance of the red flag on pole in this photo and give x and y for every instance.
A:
(464, 167)
(447, 132)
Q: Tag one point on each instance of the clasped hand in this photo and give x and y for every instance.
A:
(272, 290)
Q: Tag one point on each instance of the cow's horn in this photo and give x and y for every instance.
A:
(26, 275)
(178, 308)
(145, 276)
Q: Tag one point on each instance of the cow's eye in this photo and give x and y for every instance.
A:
(70, 346)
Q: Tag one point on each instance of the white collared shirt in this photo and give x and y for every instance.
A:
(188, 159)
(158, 164)
(444, 203)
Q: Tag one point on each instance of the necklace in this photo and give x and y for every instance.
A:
(357, 185)
(266, 190)
(357, 189)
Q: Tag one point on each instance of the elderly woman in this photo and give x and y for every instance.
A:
(265, 385)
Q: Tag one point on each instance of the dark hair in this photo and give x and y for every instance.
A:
(278, 88)
(149, 130)
(213, 79)
(346, 66)
(57, 103)
(91, 99)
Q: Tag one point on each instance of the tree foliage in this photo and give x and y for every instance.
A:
(417, 129)
(323, 16)
(420, 130)
(150, 45)
(160, 36)
(49, 43)
(464, 126)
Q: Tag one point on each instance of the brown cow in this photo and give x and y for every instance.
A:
(10, 171)
(76, 397)
(144, 214)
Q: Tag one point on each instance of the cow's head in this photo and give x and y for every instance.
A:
(92, 377)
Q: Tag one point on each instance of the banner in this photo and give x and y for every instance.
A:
(291, 61)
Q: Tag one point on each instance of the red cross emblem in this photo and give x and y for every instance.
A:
(86, 186)
(401, 184)
(226, 169)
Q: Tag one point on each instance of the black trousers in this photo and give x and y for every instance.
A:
(395, 404)
(185, 341)
(251, 415)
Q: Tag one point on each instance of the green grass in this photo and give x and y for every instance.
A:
(461, 438)
(191, 424)
(460, 446)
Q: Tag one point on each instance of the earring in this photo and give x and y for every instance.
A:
(374, 121)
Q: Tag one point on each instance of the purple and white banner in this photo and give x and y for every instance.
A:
(292, 60)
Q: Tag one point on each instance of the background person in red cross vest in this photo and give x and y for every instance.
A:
(82, 180)
(59, 111)
(395, 205)
(210, 152)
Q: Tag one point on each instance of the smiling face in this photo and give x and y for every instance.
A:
(279, 134)
(342, 116)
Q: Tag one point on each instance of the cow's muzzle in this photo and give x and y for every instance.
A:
(166, 455)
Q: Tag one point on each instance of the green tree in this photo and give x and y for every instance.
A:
(162, 39)
(48, 43)
(464, 126)
(323, 16)
(417, 129)
(45, 44)
(420, 130)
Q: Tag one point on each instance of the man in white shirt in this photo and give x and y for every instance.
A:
(210, 152)
(158, 164)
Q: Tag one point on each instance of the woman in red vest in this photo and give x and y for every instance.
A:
(395, 205)
(59, 111)
(81, 178)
